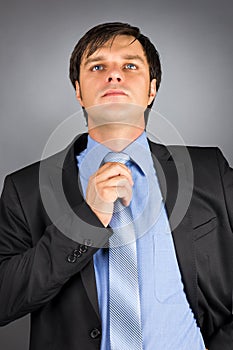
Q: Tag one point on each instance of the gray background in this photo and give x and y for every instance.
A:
(36, 39)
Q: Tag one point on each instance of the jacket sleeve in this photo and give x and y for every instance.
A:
(223, 338)
(31, 275)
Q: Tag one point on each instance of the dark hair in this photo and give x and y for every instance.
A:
(97, 36)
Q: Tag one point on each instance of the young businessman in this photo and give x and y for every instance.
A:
(57, 220)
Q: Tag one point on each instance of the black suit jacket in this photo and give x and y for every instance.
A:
(46, 249)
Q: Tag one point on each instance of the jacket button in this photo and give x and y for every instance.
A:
(88, 242)
(71, 258)
(95, 333)
(77, 253)
(83, 248)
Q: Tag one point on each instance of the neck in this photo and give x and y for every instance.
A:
(116, 136)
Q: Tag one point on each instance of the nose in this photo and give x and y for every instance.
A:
(113, 79)
(114, 75)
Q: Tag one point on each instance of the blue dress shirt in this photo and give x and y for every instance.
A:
(167, 321)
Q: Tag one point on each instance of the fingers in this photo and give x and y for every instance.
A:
(111, 181)
(112, 169)
(110, 191)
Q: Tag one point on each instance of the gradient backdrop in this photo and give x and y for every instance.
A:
(194, 39)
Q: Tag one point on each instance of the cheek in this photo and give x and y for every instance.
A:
(88, 96)
(143, 89)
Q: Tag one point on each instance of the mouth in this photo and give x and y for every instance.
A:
(114, 92)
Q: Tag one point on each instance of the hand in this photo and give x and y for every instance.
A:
(111, 181)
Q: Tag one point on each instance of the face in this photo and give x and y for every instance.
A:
(118, 72)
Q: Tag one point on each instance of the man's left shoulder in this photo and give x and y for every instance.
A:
(186, 152)
(194, 151)
(200, 156)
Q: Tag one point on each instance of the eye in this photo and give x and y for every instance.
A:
(130, 66)
(97, 67)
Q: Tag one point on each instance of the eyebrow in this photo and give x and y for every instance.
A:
(103, 58)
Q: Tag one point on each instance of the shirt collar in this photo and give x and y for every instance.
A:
(91, 158)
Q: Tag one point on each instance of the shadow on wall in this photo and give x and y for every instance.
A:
(20, 331)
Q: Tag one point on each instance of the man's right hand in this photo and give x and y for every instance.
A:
(109, 182)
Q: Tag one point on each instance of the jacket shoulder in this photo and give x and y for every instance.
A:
(197, 153)
(182, 152)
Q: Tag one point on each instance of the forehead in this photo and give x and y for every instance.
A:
(118, 45)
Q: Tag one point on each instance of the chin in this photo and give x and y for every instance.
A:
(115, 112)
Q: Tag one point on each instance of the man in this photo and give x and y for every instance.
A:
(57, 220)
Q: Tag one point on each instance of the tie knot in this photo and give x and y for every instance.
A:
(119, 157)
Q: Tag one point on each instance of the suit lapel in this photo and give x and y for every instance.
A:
(177, 190)
(65, 181)
(88, 279)
(72, 188)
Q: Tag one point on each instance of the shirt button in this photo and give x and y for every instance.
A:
(95, 333)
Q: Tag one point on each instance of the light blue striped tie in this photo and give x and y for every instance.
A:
(124, 299)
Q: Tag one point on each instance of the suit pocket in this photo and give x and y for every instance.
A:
(205, 228)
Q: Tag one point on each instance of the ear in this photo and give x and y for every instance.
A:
(78, 93)
(152, 92)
